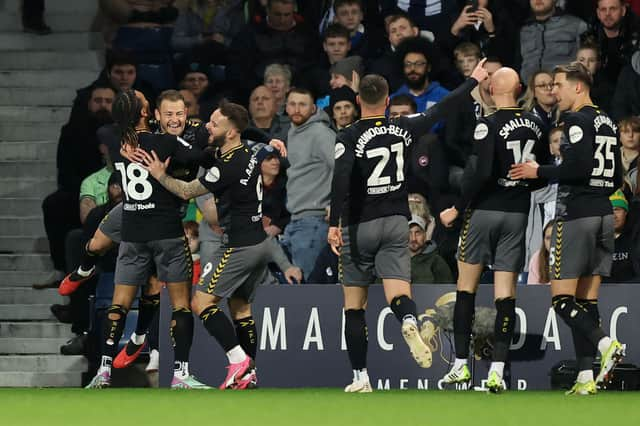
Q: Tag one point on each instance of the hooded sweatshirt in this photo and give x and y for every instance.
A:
(311, 148)
(428, 267)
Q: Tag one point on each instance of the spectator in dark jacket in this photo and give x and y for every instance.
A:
(626, 99)
(275, 216)
(602, 88)
(336, 45)
(626, 249)
(427, 266)
(78, 156)
(279, 39)
(617, 32)
(349, 14)
(262, 108)
(538, 97)
(399, 27)
(206, 30)
(488, 26)
(549, 38)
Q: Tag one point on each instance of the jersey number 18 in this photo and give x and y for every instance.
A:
(135, 181)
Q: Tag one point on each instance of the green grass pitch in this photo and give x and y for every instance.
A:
(301, 407)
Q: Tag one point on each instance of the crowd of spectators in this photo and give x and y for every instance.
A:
(297, 67)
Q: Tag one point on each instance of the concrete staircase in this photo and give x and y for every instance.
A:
(38, 79)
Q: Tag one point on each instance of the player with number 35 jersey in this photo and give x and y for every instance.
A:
(582, 238)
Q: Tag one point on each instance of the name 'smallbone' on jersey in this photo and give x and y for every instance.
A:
(506, 137)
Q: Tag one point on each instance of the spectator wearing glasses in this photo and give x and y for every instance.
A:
(417, 56)
(538, 97)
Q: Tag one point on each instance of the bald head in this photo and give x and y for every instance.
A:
(505, 81)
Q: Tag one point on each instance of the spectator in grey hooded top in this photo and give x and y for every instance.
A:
(549, 38)
(311, 153)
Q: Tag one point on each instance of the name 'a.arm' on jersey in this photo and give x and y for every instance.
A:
(236, 182)
(508, 136)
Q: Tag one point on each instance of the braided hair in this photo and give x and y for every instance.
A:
(126, 112)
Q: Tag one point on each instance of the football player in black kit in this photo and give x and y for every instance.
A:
(582, 240)
(241, 263)
(370, 169)
(152, 239)
(496, 209)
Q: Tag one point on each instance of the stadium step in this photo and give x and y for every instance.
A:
(24, 279)
(57, 20)
(34, 363)
(37, 114)
(45, 60)
(26, 262)
(27, 188)
(73, 79)
(31, 226)
(23, 244)
(56, 6)
(44, 169)
(26, 312)
(21, 206)
(21, 295)
(16, 151)
(27, 345)
(21, 379)
(69, 41)
(27, 132)
(31, 96)
(35, 330)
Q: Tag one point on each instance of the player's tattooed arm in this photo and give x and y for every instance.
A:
(158, 169)
(184, 190)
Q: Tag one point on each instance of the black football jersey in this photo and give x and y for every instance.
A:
(591, 168)
(506, 137)
(150, 212)
(371, 164)
(236, 182)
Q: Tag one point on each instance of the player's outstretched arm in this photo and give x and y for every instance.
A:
(422, 123)
(158, 169)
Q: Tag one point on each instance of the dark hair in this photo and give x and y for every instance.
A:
(373, 89)
(271, 2)
(300, 91)
(118, 57)
(494, 59)
(126, 112)
(400, 15)
(191, 227)
(236, 114)
(339, 3)
(169, 95)
(336, 30)
(575, 71)
(418, 45)
(102, 85)
(404, 99)
(590, 43)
